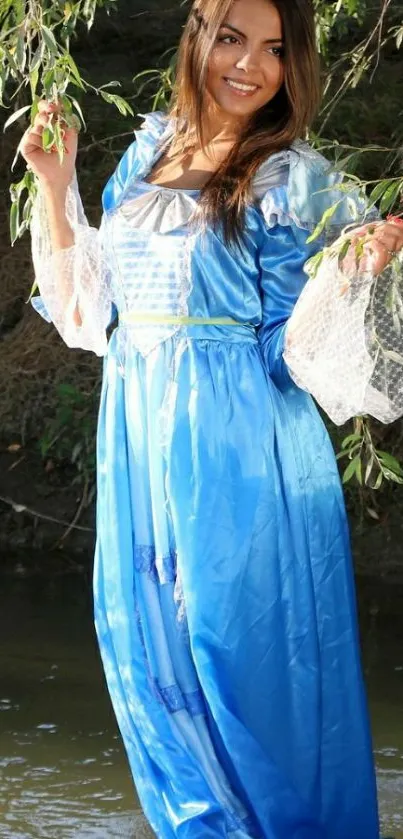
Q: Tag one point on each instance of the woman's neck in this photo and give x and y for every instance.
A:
(219, 128)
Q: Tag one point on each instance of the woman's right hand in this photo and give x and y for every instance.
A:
(46, 165)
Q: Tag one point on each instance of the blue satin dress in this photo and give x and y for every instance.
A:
(224, 595)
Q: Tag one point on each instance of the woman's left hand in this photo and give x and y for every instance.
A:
(381, 241)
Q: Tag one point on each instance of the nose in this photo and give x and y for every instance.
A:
(248, 61)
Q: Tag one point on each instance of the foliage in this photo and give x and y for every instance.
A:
(159, 80)
(69, 436)
(35, 63)
(367, 463)
(352, 35)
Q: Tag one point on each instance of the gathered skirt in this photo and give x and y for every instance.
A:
(224, 599)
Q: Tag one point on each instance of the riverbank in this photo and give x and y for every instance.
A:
(48, 520)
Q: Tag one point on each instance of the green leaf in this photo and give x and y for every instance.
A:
(351, 438)
(47, 82)
(368, 469)
(378, 190)
(36, 58)
(343, 251)
(58, 140)
(16, 115)
(20, 56)
(48, 138)
(34, 288)
(67, 106)
(389, 197)
(14, 222)
(391, 476)
(49, 40)
(312, 265)
(33, 81)
(74, 70)
(327, 215)
(34, 109)
(379, 481)
(123, 107)
(11, 62)
(78, 109)
(352, 206)
(26, 212)
(109, 84)
(390, 461)
(351, 469)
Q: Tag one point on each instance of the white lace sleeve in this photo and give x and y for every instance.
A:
(344, 341)
(74, 283)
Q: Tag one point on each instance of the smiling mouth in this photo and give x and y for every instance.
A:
(240, 87)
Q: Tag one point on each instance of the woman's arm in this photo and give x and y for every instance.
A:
(282, 279)
(333, 334)
(343, 341)
(71, 269)
(338, 334)
(69, 256)
(61, 236)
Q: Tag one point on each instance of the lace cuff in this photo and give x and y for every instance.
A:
(344, 343)
(74, 283)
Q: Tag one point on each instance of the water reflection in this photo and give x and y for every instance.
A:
(63, 772)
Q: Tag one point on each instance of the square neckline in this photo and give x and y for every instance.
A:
(159, 151)
(160, 187)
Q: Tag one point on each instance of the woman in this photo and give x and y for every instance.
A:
(224, 597)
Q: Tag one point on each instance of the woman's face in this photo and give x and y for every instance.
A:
(246, 65)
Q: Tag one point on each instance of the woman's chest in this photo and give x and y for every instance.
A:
(189, 171)
(158, 255)
(148, 269)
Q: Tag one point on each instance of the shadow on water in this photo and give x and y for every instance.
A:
(63, 768)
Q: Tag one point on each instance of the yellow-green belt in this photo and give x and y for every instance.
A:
(182, 320)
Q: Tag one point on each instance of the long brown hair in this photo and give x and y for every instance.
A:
(274, 127)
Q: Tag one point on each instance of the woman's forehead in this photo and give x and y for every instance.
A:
(256, 16)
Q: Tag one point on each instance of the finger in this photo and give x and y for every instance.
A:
(36, 130)
(31, 144)
(376, 258)
(45, 107)
(390, 227)
(34, 140)
(30, 148)
(31, 137)
(40, 122)
(364, 229)
(390, 246)
(393, 242)
(352, 263)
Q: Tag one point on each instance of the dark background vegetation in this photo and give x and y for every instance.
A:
(49, 393)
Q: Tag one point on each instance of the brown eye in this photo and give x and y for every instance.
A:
(278, 52)
(229, 39)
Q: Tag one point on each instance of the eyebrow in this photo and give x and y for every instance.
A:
(238, 32)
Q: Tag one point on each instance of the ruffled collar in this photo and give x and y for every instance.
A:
(162, 210)
(159, 210)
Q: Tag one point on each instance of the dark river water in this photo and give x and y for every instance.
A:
(63, 771)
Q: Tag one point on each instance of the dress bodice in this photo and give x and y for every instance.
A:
(150, 270)
(163, 264)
